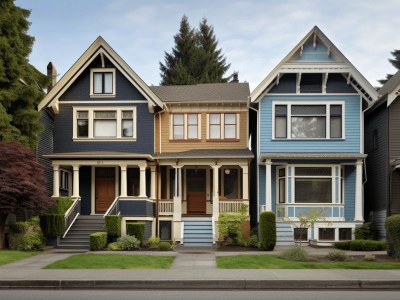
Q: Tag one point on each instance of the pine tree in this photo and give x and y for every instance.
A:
(20, 83)
(195, 57)
(395, 63)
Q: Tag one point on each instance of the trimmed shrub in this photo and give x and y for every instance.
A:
(230, 226)
(165, 246)
(392, 225)
(26, 235)
(251, 241)
(97, 241)
(113, 225)
(267, 230)
(52, 225)
(369, 257)
(361, 245)
(129, 242)
(62, 205)
(364, 232)
(153, 242)
(337, 255)
(295, 254)
(116, 246)
(137, 230)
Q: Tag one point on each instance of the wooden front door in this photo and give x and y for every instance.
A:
(105, 189)
(196, 191)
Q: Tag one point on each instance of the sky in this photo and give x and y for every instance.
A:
(254, 35)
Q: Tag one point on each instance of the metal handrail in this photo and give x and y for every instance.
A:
(111, 208)
(72, 214)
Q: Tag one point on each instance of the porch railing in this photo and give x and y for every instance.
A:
(71, 214)
(113, 209)
(165, 207)
(231, 206)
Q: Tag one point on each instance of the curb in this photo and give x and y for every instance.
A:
(204, 284)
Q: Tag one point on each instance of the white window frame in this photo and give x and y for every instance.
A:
(65, 180)
(185, 126)
(222, 124)
(306, 103)
(91, 111)
(102, 70)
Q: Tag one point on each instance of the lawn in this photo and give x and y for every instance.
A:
(9, 256)
(113, 261)
(275, 262)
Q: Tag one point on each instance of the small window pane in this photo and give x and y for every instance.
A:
(105, 128)
(231, 183)
(326, 234)
(178, 119)
(305, 171)
(308, 127)
(192, 119)
(83, 128)
(306, 110)
(301, 234)
(192, 132)
(82, 114)
(178, 132)
(280, 127)
(280, 110)
(215, 118)
(127, 114)
(336, 127)
(345, 234)
(313, 190)
(282, 190)
(127, 128)
(336, 110)
(230, 131)
(108, 83)
(105, 115)
(230, 118)
(282, 172)
(215, 131)
(98, 83)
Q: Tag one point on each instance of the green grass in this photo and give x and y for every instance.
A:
(113, 261)
(9, 256)
(275, 262)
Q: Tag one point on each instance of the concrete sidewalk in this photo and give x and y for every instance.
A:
(193, 268)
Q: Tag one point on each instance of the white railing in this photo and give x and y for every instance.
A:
(232, 206)
(182, 230)
(113, 209)
(213, 230)
(72, 214)
(165, 208)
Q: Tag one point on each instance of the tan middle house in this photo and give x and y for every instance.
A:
(202, 151)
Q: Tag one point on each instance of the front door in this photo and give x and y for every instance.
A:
(105, 189)
(196, 191)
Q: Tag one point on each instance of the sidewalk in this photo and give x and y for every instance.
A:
(193, 268)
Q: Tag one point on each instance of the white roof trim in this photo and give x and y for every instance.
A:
(393, 95)
(99, 46)
(342, 65)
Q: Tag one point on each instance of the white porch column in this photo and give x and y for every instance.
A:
(178, 194)
(153, 182)
(215, 192)
(245, 182)
(56, 181)
(359, 199)
(268, 185)
(124, 180)
(142, 192)
(75, 187)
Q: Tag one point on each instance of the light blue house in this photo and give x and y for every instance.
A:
(307, 117)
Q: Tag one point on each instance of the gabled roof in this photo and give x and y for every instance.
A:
(99, 47)
(391, 88)
(208, 92)
(336, 63)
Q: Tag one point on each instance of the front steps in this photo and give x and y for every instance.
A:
(284, 234)
(197, 232)
(78, 235)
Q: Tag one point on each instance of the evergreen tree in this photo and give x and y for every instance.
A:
(20, 83)
(195, 57)
(395, 63)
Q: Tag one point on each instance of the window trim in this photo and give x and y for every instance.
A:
(222, 124)
(185, 126)
(91, 111)
(102, 70)
(65, 175)
(327, 119)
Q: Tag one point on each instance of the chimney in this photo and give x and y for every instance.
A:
(235, 77)
(52, 73)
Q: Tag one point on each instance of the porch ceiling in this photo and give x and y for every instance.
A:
(324, 155)
(207, 153)
(99, 155)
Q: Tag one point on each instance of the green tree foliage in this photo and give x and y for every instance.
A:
(21, 85)
(267, 230)
(195, 57)
(395, 63)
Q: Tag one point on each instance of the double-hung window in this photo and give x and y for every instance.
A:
(223, 126)
(308, 121)
(185, 126)
(105, 124)
(178, 126)
(102, 82)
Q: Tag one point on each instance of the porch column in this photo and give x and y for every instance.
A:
(56, 181)
(153, 182)
(268, 185)
(177, 194)
(142, 192)
(215, 192)
(245, 183)
(124, 179)
(359, 199)
(75, 187)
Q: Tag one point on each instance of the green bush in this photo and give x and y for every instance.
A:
(267, 230)
(251, 241)
(369, 257)
(116, 246)
(165, 246)
(18, 227)
(361, 245)
(26, 235)
(392, 225)
(364, 232)
(295, 254)
(113, 225)
(52, 225)
(129, 242)
(342, 245)
(137, 230)
(97, 241)
(337, 255)
(230, 225)
(61, 206)
(153, 242)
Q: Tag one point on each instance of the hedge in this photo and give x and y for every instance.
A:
(52, 225)
(392, 225)
(267, 230)
(364, 232)
(113, 225)
(97, 241)
(361, 245)
(61, 206)
(137, 230)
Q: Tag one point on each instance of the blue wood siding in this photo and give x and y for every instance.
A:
(350, 192)
(351, 143)
(136, 208)
(144, 143)
(85, 189)
(319, 53)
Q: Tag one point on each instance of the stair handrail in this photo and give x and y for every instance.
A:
(213, 230)
(182, 229)
(112, 206)
(72, 214)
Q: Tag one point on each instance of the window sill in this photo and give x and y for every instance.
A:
(308, 139)
(104, 140)
(185, 141)
(102, 95)
(223, 140)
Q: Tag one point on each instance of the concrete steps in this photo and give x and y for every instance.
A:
(197, 232)
(284, 234)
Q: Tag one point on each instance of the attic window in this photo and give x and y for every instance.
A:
(102, 82)
(311, 83)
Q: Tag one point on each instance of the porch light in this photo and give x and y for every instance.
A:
(227, 171)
